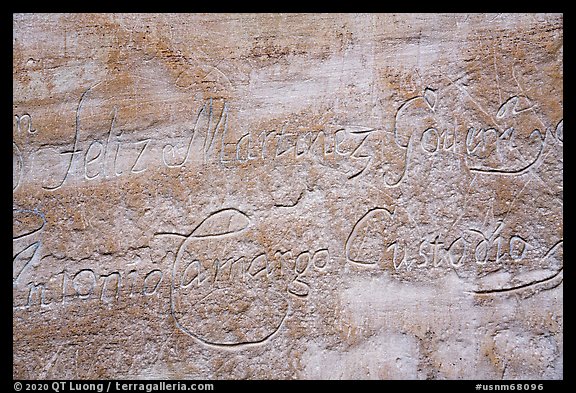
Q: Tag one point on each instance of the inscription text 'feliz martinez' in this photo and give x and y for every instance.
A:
(351, 149)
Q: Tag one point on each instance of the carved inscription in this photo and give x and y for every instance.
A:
(510, 146)
(215, 277)
(472, 246)
(234, 290)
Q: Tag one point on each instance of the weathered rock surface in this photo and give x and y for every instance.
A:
(288, 196)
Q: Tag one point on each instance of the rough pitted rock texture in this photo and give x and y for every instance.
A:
(288, 196)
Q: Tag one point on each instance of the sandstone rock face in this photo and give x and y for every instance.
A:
(288, 196)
